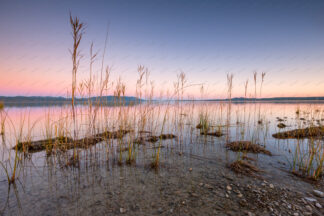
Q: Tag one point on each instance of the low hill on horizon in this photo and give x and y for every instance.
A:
(49, 100)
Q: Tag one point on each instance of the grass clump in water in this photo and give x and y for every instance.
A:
(281, 125)
(203, 123)
(309, 132)
(167, 136)
(309, 163)
(247, 146)
(215, 133)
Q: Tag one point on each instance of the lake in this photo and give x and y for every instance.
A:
(170, 159)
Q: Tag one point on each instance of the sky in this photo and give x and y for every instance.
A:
(205, 39)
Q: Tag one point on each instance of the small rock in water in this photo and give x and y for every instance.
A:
(310, 199)
(240, 195)
(228, 188)
(122, 210)
(271, 186)
(318, 205)
(296, 214)
(318, 193)
(190, 169)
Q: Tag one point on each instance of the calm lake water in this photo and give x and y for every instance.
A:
(104, 184)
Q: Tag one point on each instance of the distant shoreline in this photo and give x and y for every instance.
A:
(275, 99)
(111, 100)
(61, 101)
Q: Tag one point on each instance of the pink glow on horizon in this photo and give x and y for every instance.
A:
(51, 76)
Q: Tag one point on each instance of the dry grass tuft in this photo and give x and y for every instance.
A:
(167, 136)
(40, 145)
(280, 119)
(281, 125)
(215, 133)
(310, 132)
(65, 143)
(309, 178)
(243, 167)
(139, 141)
(247, 146)
(199, 126)
(152, 139)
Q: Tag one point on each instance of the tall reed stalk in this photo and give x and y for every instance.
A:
(77, 34)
